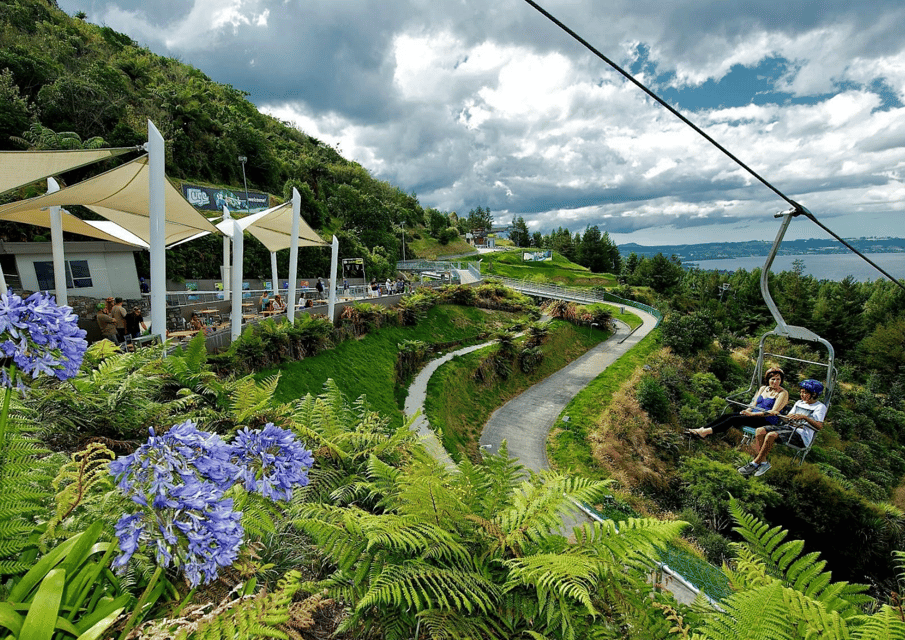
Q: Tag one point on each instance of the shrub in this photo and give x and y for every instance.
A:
(687, 334)
(653, 399)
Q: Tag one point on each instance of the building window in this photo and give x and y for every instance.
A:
(78, 276)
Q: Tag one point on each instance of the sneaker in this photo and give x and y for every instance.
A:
(748, 469)
(764, 467)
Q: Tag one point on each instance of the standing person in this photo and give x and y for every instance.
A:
(804, 420)
(143, 284)
(264, 303)
(764, 409)
(320, 289)
(345, 287)
(105, 322)
(119, 315)
(373, 290)
(388, 287)
(135, 323)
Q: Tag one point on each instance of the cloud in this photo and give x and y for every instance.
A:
(471, 103)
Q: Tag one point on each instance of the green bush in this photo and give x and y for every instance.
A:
(653, 399)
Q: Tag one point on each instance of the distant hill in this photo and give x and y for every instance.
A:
(720, 250)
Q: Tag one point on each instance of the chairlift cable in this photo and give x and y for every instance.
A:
(797, 207)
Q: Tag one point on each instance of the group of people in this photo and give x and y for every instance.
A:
(116, 323)
(764, 413)
(388, 288)
(276, 303)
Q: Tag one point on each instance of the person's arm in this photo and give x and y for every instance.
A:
(749, 411)
(815, 420)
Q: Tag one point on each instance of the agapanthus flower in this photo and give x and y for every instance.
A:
(178, 480)
(40, 336)
(271, 461)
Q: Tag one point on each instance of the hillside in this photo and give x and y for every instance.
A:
(61, 76)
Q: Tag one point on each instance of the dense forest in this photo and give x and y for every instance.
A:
(848, 500)
(65, 83)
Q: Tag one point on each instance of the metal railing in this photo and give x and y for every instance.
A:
(575, 294)
(437, 265)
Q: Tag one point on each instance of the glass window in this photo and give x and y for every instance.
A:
(78, 275)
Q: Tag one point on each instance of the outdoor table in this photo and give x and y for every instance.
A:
(209, 311)
(188, 333)
(143, 340)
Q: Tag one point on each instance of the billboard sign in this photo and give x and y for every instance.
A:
(212, 199)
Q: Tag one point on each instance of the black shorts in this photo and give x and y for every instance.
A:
(787, 434)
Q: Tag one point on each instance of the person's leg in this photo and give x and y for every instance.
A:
(765, 448)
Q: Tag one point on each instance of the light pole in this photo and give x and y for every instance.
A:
(243, 160)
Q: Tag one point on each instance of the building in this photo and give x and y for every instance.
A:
(93, 269)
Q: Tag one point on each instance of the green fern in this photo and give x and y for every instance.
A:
(24, 492)
(86, 470)
(802, 573)
(263, 615)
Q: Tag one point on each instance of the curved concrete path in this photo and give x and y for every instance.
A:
(525, 421)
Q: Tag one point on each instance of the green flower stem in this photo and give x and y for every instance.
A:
(184, 602)
(4, 416)
(133, 619)
(91, 583)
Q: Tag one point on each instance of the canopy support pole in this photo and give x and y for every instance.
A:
(56, 242)
(157, 230)
(273, 272)
(226, 240)
(331, 281)
(293, 254)
(238, 259)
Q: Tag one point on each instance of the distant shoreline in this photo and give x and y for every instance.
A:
(825, 266)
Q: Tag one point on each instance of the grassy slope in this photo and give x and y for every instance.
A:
(568, 448)
(367, 366)
(509, 264)
(428, 248)
(459, 406)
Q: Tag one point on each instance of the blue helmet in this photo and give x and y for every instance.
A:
(813, 386)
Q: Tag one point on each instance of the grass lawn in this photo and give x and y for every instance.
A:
(428, 248)
(367, 366)
(567, 448)
(459, 406)
(509, 264)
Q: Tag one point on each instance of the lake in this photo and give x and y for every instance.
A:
(821, 266)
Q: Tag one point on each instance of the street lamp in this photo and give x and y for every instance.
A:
(243, 160)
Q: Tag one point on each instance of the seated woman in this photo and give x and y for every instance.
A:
(196, 323)
(278, 304)
(763, 410)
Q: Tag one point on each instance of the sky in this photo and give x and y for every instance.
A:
(470, 103)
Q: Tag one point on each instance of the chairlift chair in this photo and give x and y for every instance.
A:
(788, 332)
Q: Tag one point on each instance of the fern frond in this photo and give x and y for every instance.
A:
(885, 624)
(782, 560)
(85, 471)
(422, 586)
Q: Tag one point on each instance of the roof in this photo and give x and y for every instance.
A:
(119, 195)
(18, 168)
(273, 228)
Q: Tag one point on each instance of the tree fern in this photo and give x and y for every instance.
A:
(803, 573)
(885, 624)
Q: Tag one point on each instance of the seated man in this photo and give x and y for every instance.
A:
(805, 418)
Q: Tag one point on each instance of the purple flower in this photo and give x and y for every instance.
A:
(40, 336)
(178, 480)
(271, 461)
